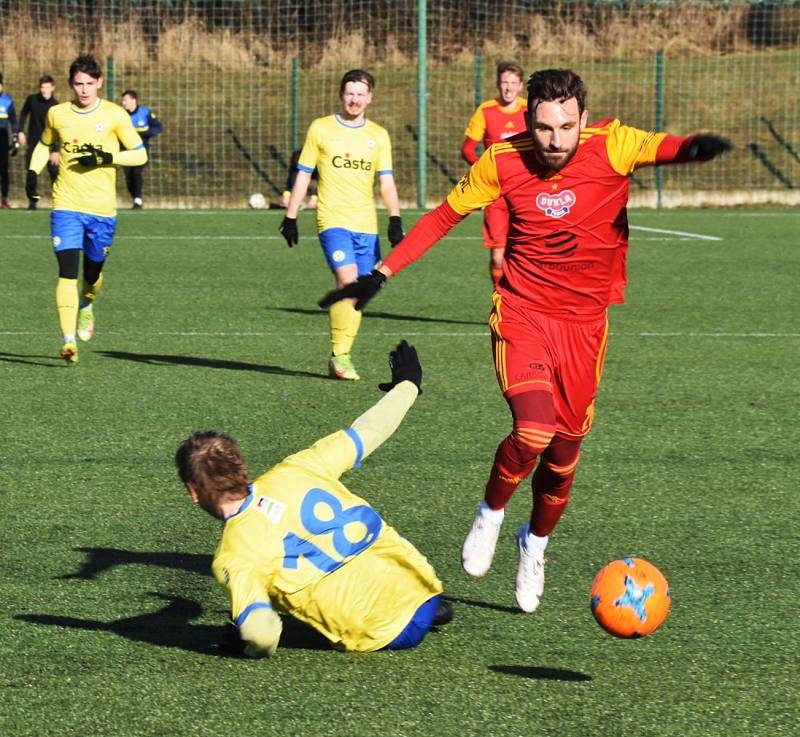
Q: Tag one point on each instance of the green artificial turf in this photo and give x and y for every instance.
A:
(109, 618)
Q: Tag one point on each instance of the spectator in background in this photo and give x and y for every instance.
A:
(34, 113)
(148, 126)
(8, 124)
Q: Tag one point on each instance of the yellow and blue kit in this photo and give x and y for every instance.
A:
(105, 126)
(304, 545)
(347, 158)
(146, 123)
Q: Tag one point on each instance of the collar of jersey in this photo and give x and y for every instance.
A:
(345, 125)
(76, 109)
(245, 504)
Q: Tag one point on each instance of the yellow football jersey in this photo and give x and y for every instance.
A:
(304, 544)
(105, 126)
(347, 159)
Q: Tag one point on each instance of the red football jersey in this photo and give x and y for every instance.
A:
(568, 232)
(491, 123)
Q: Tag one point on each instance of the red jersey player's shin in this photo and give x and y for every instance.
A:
(552, 482)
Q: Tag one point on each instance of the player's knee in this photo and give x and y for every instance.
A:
(531, 439)
(562, 456)
(91, 270)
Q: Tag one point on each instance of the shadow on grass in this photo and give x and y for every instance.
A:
(164, 359)
(100, 560)
(51, 361)
(171, 626)
(383, 316)
(540, 674)
(485, 605)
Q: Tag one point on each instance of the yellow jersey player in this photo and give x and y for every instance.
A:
(297, 542)
(90, 131)
(348, 151)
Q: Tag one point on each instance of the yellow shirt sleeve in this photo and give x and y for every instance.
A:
(384, 153)
(631, 148)
(310, 152)
(476, 126)
(479, 187)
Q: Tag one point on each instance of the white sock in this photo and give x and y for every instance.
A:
(495, 516)
(70, 338)
(534, 542)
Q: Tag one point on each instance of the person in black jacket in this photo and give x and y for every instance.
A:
(34, 112)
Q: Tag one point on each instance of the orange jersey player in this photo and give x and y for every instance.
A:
(566, 185)
(494, 121)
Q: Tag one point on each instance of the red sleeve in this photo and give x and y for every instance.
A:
(674, 150)
(427, 231)
(469, 150)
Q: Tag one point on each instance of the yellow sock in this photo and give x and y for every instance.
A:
(67, 305)
(345, 320)
(90, 291)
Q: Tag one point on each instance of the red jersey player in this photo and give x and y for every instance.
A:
(494, 121)
(566, 185)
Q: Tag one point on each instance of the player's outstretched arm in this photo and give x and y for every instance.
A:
(379, 422)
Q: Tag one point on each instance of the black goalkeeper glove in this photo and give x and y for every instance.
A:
(94, 157)
(288, 230)
(395, 231)
(703, 148)
(405, 366)
(362, 290)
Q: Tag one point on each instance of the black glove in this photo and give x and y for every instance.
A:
(405, 366)
(702, 148)
(395, 231)
(14, 146)
(93, 157)
(362, 290)
(288, 230)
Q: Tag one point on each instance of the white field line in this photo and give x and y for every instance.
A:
(400, 333)
(697, 236)
(671, 236)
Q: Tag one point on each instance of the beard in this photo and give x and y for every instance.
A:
(554, 160)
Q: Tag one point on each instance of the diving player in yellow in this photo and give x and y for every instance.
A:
(347, 151)
(297, 542)
(90, 131)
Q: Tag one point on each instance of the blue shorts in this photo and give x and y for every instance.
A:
(343, 247)
(91, 233)
(418, 627)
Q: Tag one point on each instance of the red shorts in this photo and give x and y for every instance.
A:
(536, 352)
(495, 224)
